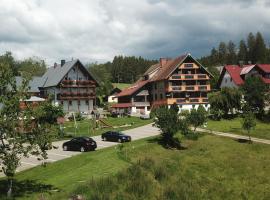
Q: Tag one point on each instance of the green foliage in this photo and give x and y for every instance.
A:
(32, 66)
(167, 120)
(226, 101)
(249, 122)
(255, 93)
(48, 113)
(197, 117)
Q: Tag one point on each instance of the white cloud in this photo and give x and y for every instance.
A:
(97, 30)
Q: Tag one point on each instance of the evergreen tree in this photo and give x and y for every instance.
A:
(251, 47)
(231, 58)
(260, 49)
(222, 52)
(242, 54)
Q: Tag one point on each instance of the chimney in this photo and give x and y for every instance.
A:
(62, 62)
(55, 65)
(163, 61)
(241, 63)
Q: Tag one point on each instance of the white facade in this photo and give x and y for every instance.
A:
(112, 99)
(227, 81)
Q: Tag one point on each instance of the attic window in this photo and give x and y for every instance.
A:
(188, 65)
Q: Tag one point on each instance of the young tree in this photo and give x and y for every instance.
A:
(20, 133)
(249, 122)
(231, 58)
(197, 117)
(251, 46)
(167, 120)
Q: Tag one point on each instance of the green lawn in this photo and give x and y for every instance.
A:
(85, 126)
(210, 168)
(262, 130)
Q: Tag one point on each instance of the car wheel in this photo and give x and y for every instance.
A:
(119, 140)
(82, 149)
(65, 148)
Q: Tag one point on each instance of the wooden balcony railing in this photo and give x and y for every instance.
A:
(75, 95)
(189, 77)
(189, 88)
(76, 83)
(187, 100)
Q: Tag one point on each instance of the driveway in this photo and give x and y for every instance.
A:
(58, 153)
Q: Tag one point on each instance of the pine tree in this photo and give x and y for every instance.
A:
(260, 49)
(231, 58)
(222, 51)
(242, 54)
(251, 47)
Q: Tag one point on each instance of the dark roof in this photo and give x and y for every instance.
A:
(56, 73)
(133, 88)
(152, 69)
(33, 84)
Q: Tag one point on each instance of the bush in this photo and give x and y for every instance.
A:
(78, 117)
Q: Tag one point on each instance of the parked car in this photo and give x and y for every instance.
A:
(80, 144)
(115, 136)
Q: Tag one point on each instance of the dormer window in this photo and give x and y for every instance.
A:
(73, 69)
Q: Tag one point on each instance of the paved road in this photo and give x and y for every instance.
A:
(231, 135)
(58, 153)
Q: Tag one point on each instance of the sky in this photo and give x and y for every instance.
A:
(97, 30)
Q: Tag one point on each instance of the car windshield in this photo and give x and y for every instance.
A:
(121, 134)
(88, 139)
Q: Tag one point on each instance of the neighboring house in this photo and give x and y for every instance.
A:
(235, 75)
(182, 81)
(112, 97)
(71, 85)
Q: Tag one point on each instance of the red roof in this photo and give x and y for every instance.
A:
(234, 72)
(122, 105)
(264, 67)
(133, 88)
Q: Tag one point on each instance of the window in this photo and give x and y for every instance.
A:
(225, 80)
(155, 85)
(87, 102)
(70, 103)
(161, 96)
(193, 106)
(155, 96)
(79, 103)
(188, 65)
(73, 69)
(231, 79)
(62, 102)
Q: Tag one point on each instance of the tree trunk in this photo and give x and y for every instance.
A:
(10, 186)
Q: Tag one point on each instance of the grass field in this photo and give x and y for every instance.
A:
(210, 168)
(262, 130)
(85, 127)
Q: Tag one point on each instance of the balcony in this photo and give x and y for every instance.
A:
(189, 77)
(189, 88)
(75, 95)
(197, 100)
(78, 83)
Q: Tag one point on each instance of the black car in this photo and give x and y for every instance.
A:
(115, 137)
(80, 144)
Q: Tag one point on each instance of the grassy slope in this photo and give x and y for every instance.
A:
(121, 86)
(211, 168)
(85, 126)
(262, 130)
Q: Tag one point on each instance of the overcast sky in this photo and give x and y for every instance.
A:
(95, 30)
